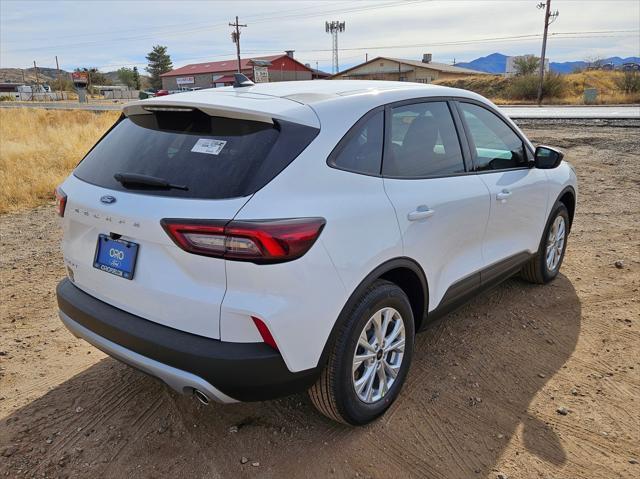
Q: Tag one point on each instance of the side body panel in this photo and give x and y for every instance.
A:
(516, 221)
(448, 244)
(301, 300)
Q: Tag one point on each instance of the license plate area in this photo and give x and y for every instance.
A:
(116, 256)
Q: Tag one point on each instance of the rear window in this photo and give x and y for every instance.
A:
(213, 157)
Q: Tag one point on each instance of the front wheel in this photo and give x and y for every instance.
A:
(370, 358)
(545, 266)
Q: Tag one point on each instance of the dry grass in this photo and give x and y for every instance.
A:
(38, 149)
(496, 88)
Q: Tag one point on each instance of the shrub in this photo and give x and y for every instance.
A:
(554, 86)
(525, 87)
(629, 82)
(6, 98)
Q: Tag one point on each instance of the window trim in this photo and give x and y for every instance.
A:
(466, 159)
(348, 136)
(462, 131)
(471, 143)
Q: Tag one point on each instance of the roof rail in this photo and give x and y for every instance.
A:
(241, 80)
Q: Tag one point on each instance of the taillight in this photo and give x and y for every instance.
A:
(262, 241)
(61, 201)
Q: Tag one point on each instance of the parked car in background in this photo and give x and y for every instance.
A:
(247, 243)
(162, 92)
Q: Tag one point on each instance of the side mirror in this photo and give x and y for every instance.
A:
(547, 158)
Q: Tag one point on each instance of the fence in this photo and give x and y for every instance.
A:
(38, 96)
(121, 94)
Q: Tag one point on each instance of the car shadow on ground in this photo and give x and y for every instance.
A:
(474, 376)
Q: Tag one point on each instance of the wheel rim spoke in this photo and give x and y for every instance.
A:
(397, 346)
(365, 344)
(391, 370)
(361, 358)
(369, 390)
(382, 378)
(364, 380)
(377, 325)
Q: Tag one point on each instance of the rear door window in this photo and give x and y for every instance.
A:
(213, 157)
(424, 142)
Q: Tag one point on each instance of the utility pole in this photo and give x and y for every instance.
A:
(334, 28)
(35, 67)
(58, 68)
(235, 36)
(549, 18)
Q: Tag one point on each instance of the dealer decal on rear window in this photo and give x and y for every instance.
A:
(210, 147)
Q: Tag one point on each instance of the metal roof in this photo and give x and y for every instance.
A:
(441, 67)
(226, 66)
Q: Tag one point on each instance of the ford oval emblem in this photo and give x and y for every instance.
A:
(108, 199)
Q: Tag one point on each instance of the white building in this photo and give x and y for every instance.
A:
(510, 67)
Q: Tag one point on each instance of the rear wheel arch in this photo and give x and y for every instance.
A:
(407, 274)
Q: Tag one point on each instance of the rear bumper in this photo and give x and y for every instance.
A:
(226, 372)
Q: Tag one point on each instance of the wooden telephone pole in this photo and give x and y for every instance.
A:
(235, 36)
(549, 18)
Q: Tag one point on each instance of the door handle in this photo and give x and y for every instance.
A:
(420, 213)
(503, 195)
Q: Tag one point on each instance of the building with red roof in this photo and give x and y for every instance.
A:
(217, 74)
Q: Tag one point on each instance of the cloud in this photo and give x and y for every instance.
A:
(110, 34)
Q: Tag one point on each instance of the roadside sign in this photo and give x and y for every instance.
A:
(80, 77)
(260, 74)
(185, 80)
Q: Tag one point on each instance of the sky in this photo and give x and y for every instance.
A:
(113, 34)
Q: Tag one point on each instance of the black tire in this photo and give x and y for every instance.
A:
(536, 269)
(334, 394)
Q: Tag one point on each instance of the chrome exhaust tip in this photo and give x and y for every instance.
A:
(200, 396)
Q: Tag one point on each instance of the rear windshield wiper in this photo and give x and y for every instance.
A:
(135, 179)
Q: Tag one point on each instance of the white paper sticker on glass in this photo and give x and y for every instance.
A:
(208, 146)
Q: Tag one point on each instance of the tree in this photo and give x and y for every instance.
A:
(159, 63)
(125, 75)
(136, 78)
(526, 65)
(62, 83)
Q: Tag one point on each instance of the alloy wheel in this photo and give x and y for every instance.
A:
(378, 355)
(555, 243)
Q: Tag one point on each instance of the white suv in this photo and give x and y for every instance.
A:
(250, 242)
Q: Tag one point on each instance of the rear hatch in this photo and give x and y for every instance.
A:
(175, 161)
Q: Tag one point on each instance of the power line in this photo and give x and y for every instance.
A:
(263, 19)
(513, 38)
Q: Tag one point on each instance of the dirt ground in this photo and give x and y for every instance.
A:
(481, 400)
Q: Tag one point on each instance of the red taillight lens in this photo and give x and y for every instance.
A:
(61, 201)
(268, 241)
(264, 332)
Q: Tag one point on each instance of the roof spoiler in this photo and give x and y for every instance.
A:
(241, 80)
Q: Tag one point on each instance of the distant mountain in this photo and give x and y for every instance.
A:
(568, 67)
(496, 63)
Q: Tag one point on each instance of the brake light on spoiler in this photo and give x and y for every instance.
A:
(259, 241)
